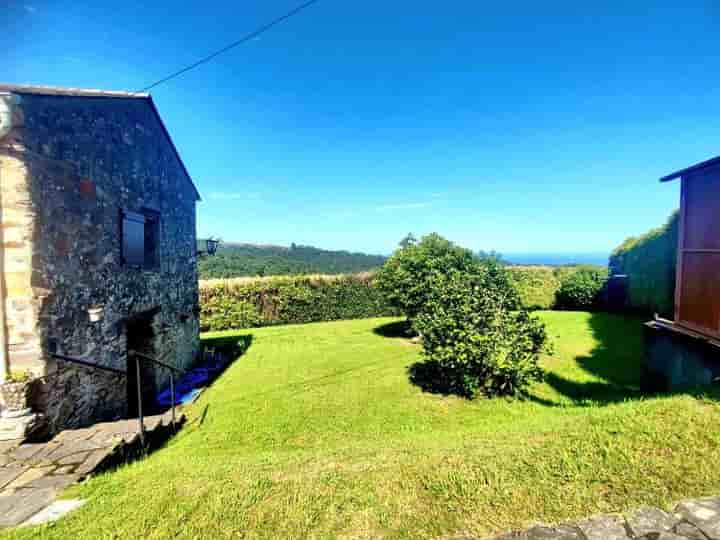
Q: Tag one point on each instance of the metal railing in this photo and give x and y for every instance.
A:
(138, 356)
(173, 370)
(88, 364)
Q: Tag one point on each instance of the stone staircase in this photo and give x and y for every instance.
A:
(31, 474)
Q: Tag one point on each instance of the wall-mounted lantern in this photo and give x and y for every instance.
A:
(211, 246)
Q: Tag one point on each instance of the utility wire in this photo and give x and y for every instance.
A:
(245, 38)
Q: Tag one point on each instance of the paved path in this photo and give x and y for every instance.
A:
(31, 474)
(697, 519)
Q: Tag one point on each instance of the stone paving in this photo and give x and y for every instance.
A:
(697, 519)
(31, 474)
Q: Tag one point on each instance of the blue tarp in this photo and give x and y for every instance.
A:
(188, 386)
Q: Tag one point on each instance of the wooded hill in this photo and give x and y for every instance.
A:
(236, 260)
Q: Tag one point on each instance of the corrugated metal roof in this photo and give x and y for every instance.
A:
(93, 93)
(692, 168)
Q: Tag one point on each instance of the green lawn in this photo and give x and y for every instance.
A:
(316, 432)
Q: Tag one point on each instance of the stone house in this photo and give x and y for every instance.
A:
(97, 228)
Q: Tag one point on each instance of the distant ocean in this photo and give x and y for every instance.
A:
(556, 259)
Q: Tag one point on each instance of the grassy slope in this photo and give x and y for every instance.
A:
(316, 432)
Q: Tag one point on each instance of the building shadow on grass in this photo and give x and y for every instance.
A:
(231, 347)
(617, 360)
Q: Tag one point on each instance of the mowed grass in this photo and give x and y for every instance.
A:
(316, 432)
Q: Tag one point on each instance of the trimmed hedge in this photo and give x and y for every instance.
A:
(649, 262)
(249, 302)
(227, 304)
(536, 285)
(560, 287)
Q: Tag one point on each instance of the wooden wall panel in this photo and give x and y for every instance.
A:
(700, 291)
(702, 219)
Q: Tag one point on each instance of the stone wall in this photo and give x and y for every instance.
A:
(77, 162)
(16, 237)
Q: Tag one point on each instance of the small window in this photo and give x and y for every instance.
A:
(141, 239)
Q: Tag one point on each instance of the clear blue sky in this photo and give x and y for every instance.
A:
(515, 126)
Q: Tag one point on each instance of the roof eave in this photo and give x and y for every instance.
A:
(691, 169)
(67, 91)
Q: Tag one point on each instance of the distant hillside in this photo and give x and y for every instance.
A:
(237, 260)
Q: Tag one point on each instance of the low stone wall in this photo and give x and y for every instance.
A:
(71, 395)
(697, 519)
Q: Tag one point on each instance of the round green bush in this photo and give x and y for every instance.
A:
(472, 343)
(406, 276)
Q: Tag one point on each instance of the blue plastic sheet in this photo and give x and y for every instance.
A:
(187, 386)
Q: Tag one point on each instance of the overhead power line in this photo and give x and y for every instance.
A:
(262, 29)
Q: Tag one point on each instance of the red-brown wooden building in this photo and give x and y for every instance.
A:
(697, 289)
(686, 351)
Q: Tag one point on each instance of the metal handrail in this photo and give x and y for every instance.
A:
(138, 355)
(88, 364)
(158, 362)
(173, 370)
(117, 371)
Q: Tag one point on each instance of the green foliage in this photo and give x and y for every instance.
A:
(649, 262)
(220, 311)
(582, 288)
(16, 376)
(475, 343)
(545, 287)
(244, 303)
(536, 286)
(406, 276)
(238, 260)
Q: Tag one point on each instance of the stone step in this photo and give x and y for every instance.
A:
(18, 426)
(32, 473)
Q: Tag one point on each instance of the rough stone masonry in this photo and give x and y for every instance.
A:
(694, 519)
(72, 164)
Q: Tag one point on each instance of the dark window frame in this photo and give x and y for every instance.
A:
(140, 239)
(152, 239)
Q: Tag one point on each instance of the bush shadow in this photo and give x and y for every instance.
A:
(429, 377)
(396, 329)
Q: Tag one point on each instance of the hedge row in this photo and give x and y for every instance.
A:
(249, 302)
(563, 287)
(536, 285)
(649, 262)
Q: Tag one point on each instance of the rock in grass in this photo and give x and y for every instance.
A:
(649, 520)
(703, 513)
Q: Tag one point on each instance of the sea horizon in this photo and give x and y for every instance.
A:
(556, 259)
